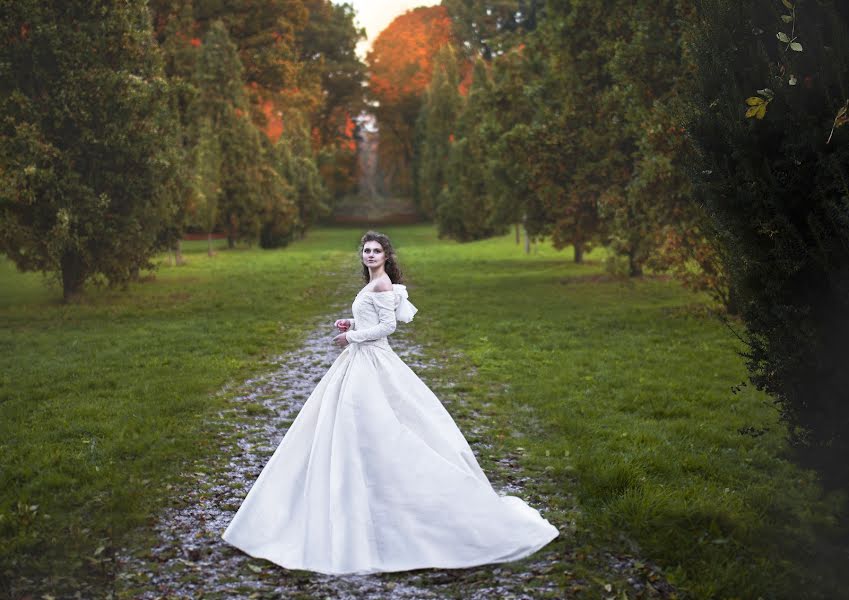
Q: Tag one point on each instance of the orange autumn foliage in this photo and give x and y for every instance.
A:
(401, 58)
(273, 119)
(400, 66)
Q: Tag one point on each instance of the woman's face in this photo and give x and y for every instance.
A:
(373, 255)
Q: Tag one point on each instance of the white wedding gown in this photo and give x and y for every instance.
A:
(374, 475)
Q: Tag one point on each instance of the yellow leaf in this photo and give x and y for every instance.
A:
(761, 111)
(752, 112)
(787, 4)
(754, 101)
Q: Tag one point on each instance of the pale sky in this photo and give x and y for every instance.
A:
(375, 15)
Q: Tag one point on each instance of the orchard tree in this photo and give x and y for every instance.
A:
(86, 150)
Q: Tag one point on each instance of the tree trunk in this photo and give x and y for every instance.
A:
(231, 232)
(579, 251)
(209, 244)
(178, 253)
(518, 236)
(634, 268)
(527, 241)
(72, 276)
(732, 301)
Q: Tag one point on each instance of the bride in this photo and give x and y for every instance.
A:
(373, 475)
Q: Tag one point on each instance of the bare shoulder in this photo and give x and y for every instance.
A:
(383, 284)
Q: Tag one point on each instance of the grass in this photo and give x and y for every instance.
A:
(102, 401)
(619, 394)
(615, 394)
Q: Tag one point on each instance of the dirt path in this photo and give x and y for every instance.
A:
(190, 560)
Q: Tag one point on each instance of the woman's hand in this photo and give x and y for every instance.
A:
(342, 324)
(341, 340)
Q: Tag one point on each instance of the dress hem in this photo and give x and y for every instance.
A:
(529, 550)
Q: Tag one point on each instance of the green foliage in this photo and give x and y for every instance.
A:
(223, 101)
(563, 148)
(436, 128)
(86, 142)
(464, 207)
(776, 189)
(294, 164)
(207, 177)
(491, 27)
(327, 48)
(264, 34)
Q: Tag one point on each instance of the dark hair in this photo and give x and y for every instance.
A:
(391, 266)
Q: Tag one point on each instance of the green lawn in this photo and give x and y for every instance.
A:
(617, 395)
(102, 401)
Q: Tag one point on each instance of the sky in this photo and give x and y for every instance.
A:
(375, 15)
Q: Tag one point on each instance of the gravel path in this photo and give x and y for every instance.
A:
(190, 560)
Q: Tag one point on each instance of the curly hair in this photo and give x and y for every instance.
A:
(391, 266)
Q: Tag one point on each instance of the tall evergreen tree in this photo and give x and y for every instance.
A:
(511, 111)
(206, 189)
(298, 167)
(562, 154)
(465, 209)
(222, 99)
(774, 165)
(86, 148)
(437, 121)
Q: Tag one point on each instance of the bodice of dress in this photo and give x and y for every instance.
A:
(376, 314)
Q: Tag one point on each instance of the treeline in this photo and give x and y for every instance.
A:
(125, 124)
(571, 129)
(699, 138)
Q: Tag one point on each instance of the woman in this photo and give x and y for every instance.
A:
(373, 474)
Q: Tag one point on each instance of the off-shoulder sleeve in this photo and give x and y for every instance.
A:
(384, 304)
(404, 309)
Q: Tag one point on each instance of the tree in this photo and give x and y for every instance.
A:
(295, 164)
(401, 65)
(437, 121)
(222, 100)
(560, 151)
(173, 30)
(86, 148)
(327, 47)
(489, 28)
(207, 180)
(464, 207)
(265, 35)
(773, 167)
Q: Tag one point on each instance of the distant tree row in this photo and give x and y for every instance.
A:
(126, 123)
(571, 128)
